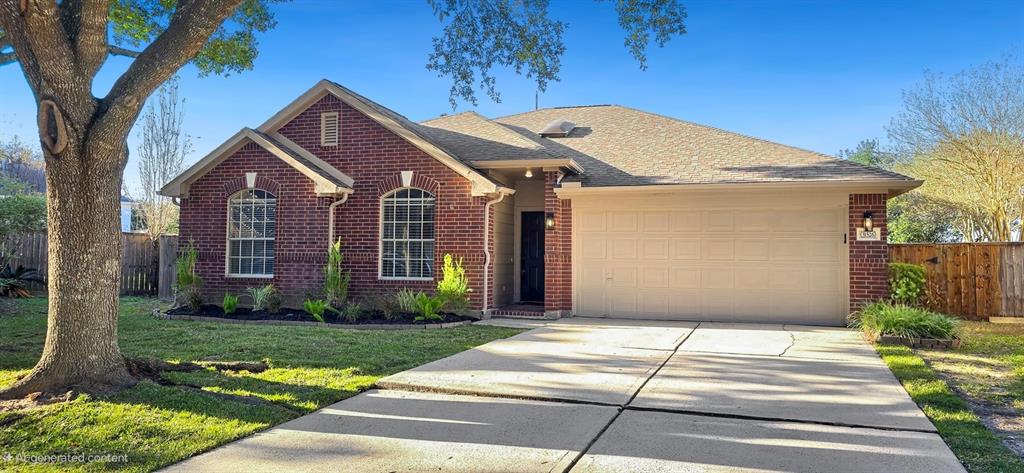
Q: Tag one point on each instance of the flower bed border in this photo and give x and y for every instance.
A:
(302, 323)
(931, 343)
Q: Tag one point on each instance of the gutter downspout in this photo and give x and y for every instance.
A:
(330, 217)
(502, 192)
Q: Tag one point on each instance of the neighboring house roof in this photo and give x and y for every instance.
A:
(327, 179)
(620, 146)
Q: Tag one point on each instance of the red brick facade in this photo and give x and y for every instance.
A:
(374, 157)
(557, 250)
(869, 260)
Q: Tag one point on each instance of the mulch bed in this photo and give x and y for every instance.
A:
(297, 315)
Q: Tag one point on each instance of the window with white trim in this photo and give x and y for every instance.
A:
(252, 222)
(407, 235)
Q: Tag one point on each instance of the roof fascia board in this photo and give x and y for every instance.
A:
(893, 188)
(552, 163)
(179, 186)
(481, 184)
(333, 171)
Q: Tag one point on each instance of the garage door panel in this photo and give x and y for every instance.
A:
(624, 249)
(825, 248)
(622, 302)
(686, 249)
(654, 276)
(682, 221)
(750, 279)
(684, 277)
(720, 249)
(789, 249)
(591, 221)
(748, 249)
(623, 222)
(754, 220)
(654, 303)
(654, 249)
(713, 263)
(593, 247)
(656, 222)
(789, 279)
(717, 278)
(685, 303)
(718, 221)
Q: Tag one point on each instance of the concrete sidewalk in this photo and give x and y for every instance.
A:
(601, 395)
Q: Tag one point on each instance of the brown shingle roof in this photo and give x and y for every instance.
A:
(473, 137)
(619, 146)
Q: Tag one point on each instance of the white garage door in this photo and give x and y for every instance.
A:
(764, 258)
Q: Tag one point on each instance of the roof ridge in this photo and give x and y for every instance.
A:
(505, 130)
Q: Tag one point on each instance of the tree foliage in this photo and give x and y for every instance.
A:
(964, 135)
(479, 35)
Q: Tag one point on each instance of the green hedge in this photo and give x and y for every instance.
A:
(906, 283)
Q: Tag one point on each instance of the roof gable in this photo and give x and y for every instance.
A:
(327, 180)
(412, 132)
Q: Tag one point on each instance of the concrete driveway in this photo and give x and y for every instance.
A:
(599, 395)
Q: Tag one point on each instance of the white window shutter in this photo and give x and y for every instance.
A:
(330, 129)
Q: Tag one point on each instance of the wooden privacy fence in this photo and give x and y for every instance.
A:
(971, 280)
(146, 269)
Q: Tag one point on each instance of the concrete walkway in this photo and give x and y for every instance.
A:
(600, 395)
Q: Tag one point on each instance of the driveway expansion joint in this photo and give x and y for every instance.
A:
(775, 419)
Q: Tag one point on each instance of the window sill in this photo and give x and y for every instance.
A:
(384, 278)
(250, 276)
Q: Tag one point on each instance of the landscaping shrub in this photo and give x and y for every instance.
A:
(907, 283)
(261, 296)
(384, 304)
(316, 308)
(427, 307)
(453, 288)
(352, 311)
(14, 282)
(898, 320)
(335, 279)
(191, 296)
(274, 301)
(230, 303)
(406, 300)
(188, 283)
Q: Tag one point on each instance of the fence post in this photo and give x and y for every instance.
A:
(168, 254)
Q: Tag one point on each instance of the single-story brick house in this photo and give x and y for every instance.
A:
(592, 210)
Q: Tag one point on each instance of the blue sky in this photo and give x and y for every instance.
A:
(821, 75)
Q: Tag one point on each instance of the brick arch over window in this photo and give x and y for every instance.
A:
(419, 181)
(232, 186)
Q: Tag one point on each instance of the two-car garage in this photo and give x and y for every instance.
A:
(712, 255)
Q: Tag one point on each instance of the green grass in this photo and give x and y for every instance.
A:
(978, 448)
(156, 425)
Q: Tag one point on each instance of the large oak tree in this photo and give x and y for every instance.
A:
(61, 46)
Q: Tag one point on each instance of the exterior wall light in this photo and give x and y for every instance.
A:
(529, 172)
(549, 220)
(869, 223)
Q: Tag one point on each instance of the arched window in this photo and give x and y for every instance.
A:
(407, 235)
(252, 222)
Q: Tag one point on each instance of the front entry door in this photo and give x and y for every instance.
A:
(531, 259)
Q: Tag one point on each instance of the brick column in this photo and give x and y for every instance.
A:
(869, 260)
(557, 251)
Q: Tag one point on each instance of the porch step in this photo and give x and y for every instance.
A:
(517, 314)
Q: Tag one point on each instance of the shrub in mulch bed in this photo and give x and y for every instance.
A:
(899, 324)
(297, 315)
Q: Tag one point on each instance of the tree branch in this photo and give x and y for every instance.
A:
(8, 58)
(86, 24)
(190, 27)
(119, 51)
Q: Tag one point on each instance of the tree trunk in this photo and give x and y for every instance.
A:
(83, 200)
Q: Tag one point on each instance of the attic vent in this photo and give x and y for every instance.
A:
(558, 129)
(329, 129)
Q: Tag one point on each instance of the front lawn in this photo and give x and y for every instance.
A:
(985, 376)
(159, 424)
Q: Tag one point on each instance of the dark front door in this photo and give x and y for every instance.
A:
(531, 259)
